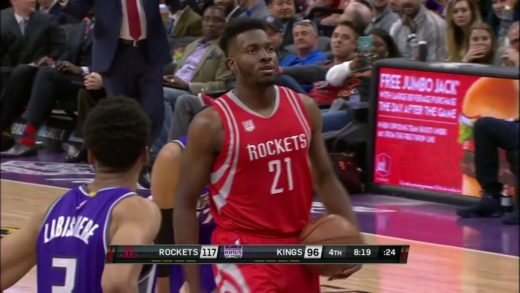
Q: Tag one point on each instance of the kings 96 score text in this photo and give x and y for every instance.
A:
(304, 254)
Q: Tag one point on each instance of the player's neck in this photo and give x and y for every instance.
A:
(102, 180)
(256, 98)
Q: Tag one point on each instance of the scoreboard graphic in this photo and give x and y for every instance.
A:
(255, 254)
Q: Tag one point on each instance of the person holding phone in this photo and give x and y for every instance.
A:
(376, 45)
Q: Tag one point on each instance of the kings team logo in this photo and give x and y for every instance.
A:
(233, 251)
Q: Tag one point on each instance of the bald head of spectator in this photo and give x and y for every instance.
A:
(359, 13)
(284, 10)
(23, 7)
(305, 35)
(410, 8)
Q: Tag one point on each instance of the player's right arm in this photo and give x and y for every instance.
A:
(18, 251)
(134, 221)
(205, 137)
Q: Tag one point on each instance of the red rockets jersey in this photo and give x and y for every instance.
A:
(261, 181)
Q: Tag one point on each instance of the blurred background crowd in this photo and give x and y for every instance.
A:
(51, 72)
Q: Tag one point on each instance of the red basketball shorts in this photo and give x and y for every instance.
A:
(243, 278)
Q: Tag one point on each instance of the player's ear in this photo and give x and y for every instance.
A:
(90, 158)
(145, 155)
(230, 63)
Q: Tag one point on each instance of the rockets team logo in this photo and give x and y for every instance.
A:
(383, 165)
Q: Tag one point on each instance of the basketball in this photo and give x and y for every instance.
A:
(330, 229)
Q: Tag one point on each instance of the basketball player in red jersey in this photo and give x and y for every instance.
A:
(254, 147)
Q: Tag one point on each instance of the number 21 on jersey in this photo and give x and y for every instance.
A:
(279, 169)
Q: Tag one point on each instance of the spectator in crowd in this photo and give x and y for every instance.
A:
(233, 8)
(202, 69)
(354, 77)
(183, 22)
(383, 47)
(481, 45)
(305, 36)
(512, 51)
(61, 13)
(56, 83)
(359, 12)
(460, 16)
(394, 6)
(131, 48)
(504, 13)
(275, 31)
(417, 23)
(322, 3)
(436, 6)
(30, 40)
(490, 134)
(255, 8)
(383, 17)
(285, 11)
(343, 43)
(88, 97)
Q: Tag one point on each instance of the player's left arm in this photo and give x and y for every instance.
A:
(330, 191)
(18, 251)
(134, 221)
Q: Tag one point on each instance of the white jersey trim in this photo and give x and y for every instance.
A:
(146, 282)
(298, 111)
(109, 216)
(239, 103)
(223, 192)
(217, 175)
(234, 272)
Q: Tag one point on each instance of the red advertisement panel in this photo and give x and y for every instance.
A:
(424, 124)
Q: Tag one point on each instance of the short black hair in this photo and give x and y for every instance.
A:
(238, 26)
(116, 131)
(212, 6)
(393, 50)
(357, 30)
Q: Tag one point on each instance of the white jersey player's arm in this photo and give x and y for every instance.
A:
(18, 251)
(134, 221)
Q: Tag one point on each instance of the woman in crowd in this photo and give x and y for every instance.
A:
(460, 16)
(481, 45)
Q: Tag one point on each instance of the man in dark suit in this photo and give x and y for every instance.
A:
(29, 40)
(62, 14)
(130, 49)
(62, 82)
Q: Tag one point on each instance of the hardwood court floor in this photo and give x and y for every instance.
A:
(430, 268)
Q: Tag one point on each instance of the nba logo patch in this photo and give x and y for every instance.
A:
(248, 125)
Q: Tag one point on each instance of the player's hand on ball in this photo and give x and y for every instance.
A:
(346, 272)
